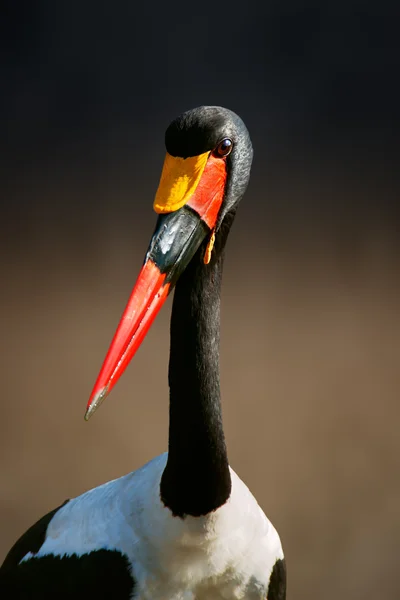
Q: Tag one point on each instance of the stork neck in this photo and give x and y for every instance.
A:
(196, 479)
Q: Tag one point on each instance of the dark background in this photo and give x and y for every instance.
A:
(310, 330)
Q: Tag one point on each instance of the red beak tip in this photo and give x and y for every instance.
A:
(95, 402)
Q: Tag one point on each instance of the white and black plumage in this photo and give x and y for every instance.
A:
(184, 526)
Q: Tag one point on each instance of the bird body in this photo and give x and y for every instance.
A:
(184, 526)
(228, 553)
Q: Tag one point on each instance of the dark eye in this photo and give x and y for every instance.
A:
(224, 148)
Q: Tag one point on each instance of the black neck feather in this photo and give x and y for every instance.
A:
(196, 479)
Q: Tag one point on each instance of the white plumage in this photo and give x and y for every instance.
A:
(227, 554)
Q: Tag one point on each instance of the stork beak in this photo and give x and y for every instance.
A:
(188, 200)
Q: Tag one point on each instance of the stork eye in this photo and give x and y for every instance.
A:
(224, 148)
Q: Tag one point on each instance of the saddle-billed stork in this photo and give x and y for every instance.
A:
(184, 526)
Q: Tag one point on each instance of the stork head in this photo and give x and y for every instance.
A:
(205, 174)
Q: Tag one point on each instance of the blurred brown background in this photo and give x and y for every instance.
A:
(310, 330)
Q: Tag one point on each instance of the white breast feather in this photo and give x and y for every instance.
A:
(228, 554)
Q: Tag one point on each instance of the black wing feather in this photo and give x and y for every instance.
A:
(98, 575)
(31, 541)
(277, 582)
